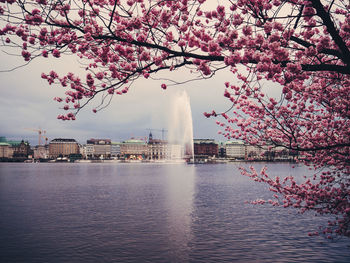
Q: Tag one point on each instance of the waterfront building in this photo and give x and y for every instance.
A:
(22, 150)
(205, 147)
(239, 150)
(157, 149)
(15, 149)
(8, 147)
(255, 152)
(41, 152)
(277, 153)
(134, 149)
(222, 149)
(235, 149)
(175, 152)
(87, 151)
(13, 144)
(101, 148)
(115, 149)
(61, 147)
(5, 151)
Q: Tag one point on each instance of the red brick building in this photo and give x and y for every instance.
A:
(207, 147)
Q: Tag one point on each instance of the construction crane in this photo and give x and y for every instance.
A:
(46, 139)
(161, 130)
(41, 134)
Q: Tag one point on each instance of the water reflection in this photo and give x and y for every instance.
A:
(180, 193)
(150, 213)
(225, 228)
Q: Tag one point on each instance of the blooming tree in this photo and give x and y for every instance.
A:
(298, 48)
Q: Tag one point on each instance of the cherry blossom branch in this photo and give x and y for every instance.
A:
(321, 12)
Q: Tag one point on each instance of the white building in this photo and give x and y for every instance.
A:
(87, 151)
(235, 149)
(115, 149)
(41, 152)
(98, 148)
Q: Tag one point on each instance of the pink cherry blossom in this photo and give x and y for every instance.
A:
(56, 53)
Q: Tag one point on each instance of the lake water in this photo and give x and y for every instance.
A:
(112, 212)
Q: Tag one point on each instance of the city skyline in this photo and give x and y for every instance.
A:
(27, 103)
(35, 142)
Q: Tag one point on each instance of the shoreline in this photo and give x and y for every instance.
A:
(213, 161)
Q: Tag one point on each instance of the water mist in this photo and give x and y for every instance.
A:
(180, 128)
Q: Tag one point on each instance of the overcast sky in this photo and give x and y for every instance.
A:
(26, 103)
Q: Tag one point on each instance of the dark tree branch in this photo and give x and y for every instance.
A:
(324, 51)
(327, 67)
(321, 12)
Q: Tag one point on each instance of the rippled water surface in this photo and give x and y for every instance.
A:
(151, 213)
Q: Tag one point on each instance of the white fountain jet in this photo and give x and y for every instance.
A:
(180, 128)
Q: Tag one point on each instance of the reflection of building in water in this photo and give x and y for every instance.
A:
(134, 149)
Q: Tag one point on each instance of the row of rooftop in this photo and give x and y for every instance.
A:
(203, 150)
